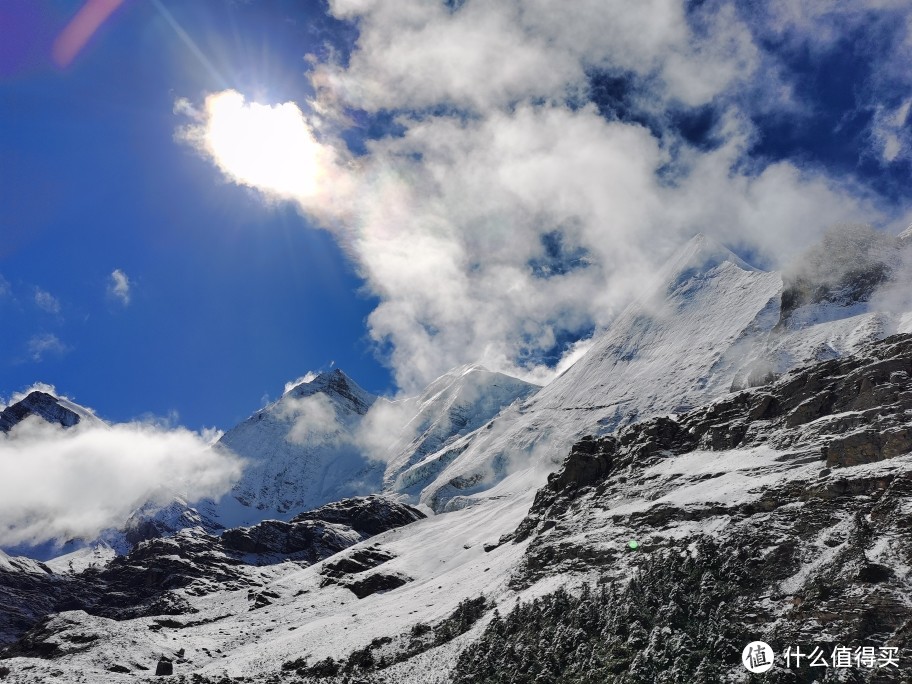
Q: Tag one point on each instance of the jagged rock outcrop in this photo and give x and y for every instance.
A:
(367, 515)
(845, 412)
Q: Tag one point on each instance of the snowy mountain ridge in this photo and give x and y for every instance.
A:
(718, 499)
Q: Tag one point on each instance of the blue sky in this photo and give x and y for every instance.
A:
(470, 143)
(228, 300)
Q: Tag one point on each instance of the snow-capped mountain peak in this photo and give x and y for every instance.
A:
(301, 450)
(697, 257)
(334, 383)
(327, 438)
(654, 358)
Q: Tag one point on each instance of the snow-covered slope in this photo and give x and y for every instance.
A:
(710, 324)
(757, 516)
(454, 405)
(781, 470)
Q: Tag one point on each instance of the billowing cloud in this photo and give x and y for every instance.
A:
(44, 345)
(508, 216)
(59, 484)
(119, 286)
(417, 55)
(46, 301)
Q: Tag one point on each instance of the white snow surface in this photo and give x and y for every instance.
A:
(445, 559)
(97, 555)
(20, 564)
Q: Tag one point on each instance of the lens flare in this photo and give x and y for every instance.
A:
(268, 147)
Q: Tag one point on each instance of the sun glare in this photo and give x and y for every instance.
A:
(269, 147)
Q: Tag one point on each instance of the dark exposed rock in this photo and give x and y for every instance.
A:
(819, 552)
(846, 267)
(356, 562)
(377, 582)
(41, 404)
(367, 515)
(850, 411)
(29, 591)
(53, 637)
(164, 667)
(307, 540)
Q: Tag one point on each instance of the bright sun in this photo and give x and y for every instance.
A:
(267, 147)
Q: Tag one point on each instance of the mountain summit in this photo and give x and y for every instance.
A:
(301, 451)
(47, 407)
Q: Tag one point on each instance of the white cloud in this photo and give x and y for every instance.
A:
(44, 345)
(57, 484)
(386, 430)
(46, 301)
(313, 420)
(494, 235)
(119, 286)
(415, 54)
(6, 289)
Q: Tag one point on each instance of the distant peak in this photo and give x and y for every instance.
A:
(44, 405)
(699, 254)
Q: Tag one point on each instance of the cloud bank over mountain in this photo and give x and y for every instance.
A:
(534, 170)
(62, 483)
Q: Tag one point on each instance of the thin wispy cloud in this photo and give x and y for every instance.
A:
(45, 345)
(309, 376)
(119, 287)
(45, 301)
(890, 133)
(509, 213)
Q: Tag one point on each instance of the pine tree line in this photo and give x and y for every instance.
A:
(672, 623)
